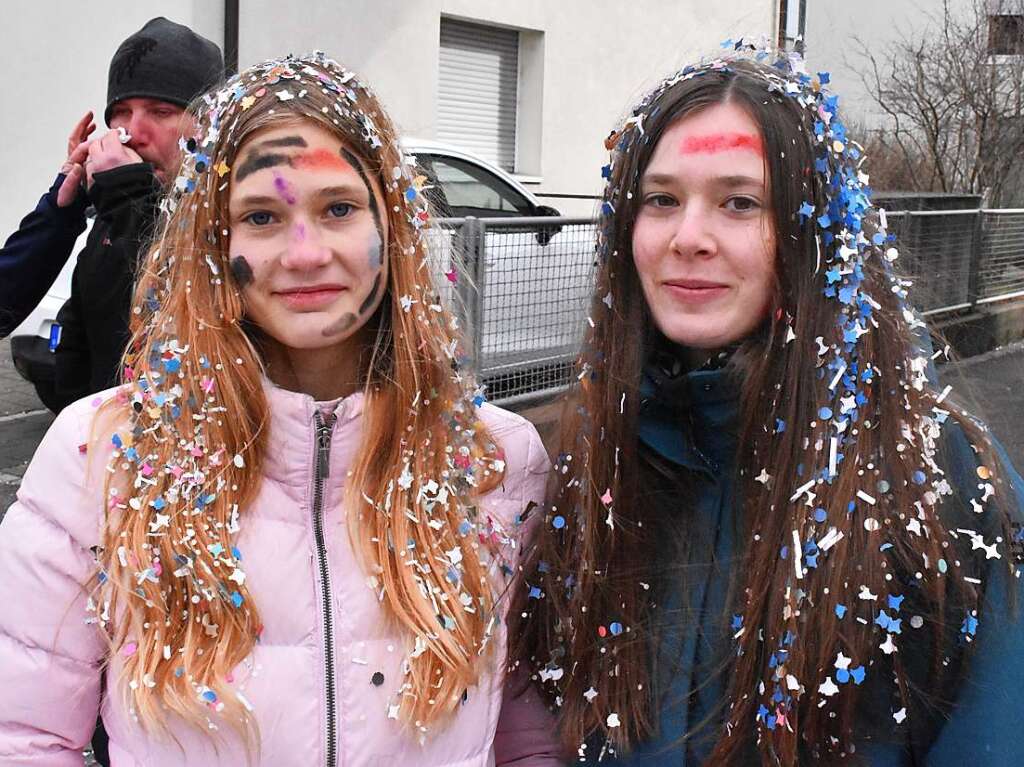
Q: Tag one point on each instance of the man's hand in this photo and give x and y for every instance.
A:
(107, 153)
(72, 167)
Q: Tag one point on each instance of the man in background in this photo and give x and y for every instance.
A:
(153, 76)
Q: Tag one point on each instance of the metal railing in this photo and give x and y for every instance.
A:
(525, 284)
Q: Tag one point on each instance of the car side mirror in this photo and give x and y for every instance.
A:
(545, 233)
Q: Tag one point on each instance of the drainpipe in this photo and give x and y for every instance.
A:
(230, 37)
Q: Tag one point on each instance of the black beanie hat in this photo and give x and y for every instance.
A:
(164, 61)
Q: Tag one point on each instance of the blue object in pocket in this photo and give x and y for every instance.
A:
(54, 336)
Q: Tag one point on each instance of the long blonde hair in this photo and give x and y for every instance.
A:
(188, 460)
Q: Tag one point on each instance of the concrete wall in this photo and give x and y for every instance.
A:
(56, 55)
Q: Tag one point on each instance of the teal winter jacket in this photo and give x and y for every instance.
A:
(691, 666)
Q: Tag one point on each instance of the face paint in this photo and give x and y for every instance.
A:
(300, 232)
(720, 142)
(344, 323)
(283, 188)
(258, 161)
(283, 141)
(242, 271)
(320, 159)
(376, 252)
(354, 162)
(371, 298)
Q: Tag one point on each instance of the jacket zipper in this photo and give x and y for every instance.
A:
(321, 469)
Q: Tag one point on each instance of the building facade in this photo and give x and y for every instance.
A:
(532, 86)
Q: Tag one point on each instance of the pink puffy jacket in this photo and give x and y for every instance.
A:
(50, 659)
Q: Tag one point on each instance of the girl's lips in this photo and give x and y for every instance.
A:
(695, 291)
(315, 297)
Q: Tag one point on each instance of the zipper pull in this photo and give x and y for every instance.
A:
(323, 443)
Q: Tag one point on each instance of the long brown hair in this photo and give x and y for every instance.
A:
(881, 496)
(193, 431)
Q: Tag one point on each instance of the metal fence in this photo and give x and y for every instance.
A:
(525, 283)
(959, 259)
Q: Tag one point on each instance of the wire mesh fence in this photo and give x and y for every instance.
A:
(523, 290)
(1001, 265)
(524, 284)
(936, 252)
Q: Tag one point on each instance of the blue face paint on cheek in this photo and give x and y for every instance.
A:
(375, 252)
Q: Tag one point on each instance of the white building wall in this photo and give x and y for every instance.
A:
(596, 57)
(56, 54)
(583, 63)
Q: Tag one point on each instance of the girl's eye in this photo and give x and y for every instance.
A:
(340, 209)
(742, 204)
(259, 218)
(659, 200)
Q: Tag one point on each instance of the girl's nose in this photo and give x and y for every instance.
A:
(305, 248)
(693, 235)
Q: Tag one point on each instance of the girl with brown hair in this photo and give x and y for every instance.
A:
(771, 539)
(293, 527)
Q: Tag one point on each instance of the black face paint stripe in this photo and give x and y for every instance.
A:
(372, 297)
(257, 161)
(344, 323)
(242, 271)
(352, 160)
(284, 141)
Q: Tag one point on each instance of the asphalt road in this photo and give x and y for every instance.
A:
(23, 422)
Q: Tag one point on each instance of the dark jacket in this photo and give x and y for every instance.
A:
(692, 659)
(94, 320)
(33, 256)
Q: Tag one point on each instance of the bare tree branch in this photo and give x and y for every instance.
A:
(953, 105)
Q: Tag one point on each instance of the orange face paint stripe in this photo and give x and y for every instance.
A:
(320, 159)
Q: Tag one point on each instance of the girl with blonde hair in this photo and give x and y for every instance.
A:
(286, 539)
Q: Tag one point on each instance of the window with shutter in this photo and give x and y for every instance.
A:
(477, 91)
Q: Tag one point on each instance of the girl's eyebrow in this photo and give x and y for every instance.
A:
(333, 191)
(738, 180)
(327, 191)
(731, 180)
(657, 179)
(254, 199)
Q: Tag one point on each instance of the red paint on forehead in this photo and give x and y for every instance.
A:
(321, 159)
(720, 142)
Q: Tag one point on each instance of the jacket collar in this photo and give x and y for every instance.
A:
(691, 419)
(293, 427)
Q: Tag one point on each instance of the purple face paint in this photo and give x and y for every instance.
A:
(300, 232)
(283, 188)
